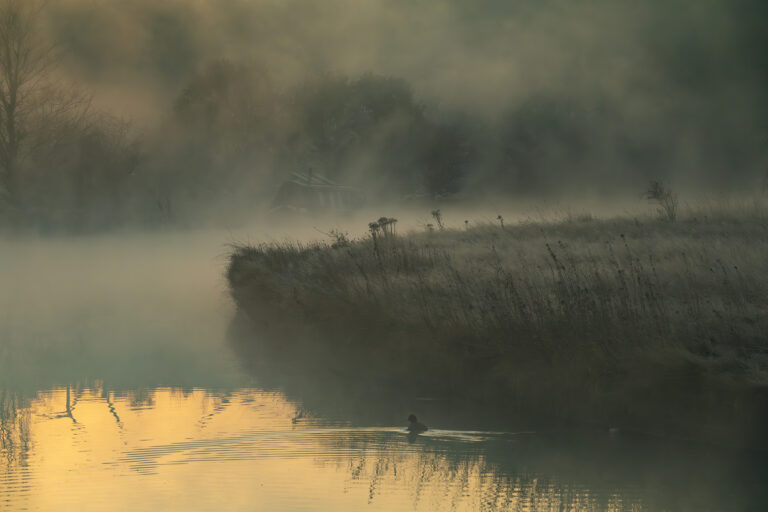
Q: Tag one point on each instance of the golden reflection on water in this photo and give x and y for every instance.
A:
(88, 448)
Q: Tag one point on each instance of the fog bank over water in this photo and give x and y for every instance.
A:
(129, 309)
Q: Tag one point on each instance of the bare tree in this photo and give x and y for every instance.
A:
(23, 65)
(32, 111)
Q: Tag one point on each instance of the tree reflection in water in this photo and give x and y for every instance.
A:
(443, 476)
(14, 429)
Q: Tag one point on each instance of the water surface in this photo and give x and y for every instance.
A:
(120, 390)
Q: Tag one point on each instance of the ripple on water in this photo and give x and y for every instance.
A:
(249, 449)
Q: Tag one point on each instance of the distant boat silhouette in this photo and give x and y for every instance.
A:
(416, 427)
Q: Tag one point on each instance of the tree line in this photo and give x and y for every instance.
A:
(232, 135)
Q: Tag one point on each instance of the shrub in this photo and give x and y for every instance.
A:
(665, 199)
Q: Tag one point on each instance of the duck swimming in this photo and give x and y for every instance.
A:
(416, 427)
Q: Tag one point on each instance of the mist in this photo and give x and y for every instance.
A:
(194, 113)
(127, 309)
(243, 242)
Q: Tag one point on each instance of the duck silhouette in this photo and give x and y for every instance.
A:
(415, 426)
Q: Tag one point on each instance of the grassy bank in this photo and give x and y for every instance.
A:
(658, 326)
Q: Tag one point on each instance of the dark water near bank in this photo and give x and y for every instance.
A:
(121, 389)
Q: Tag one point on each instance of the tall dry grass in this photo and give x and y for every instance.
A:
(577, 306)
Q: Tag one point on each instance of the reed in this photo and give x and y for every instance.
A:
(584, 309)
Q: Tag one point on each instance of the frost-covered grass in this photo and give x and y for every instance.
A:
(585, 310)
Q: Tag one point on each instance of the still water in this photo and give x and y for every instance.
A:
(120, 389)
